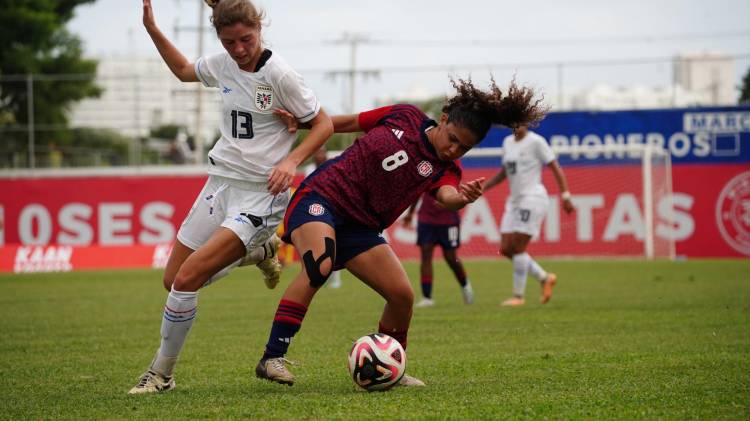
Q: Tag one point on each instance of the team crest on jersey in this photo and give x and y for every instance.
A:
(316, 209)
(424, 168)
(263, 97)
(733, 213)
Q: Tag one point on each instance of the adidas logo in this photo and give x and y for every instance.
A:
(286, 340)
(398, 133)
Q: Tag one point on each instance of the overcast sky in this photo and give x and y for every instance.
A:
(417, 44)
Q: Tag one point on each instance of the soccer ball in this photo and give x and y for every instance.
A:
(377, 362)
(211, 3)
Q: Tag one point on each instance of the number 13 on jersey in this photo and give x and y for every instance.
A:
(242, 125)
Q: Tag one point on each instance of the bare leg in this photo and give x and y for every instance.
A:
(381, 270)
(451, 258)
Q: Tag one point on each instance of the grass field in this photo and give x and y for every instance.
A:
(620, 339)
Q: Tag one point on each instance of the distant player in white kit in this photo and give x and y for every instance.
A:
(525, 153)
(251, 168)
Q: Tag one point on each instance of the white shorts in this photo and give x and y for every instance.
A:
(246, 208)
(524, 215)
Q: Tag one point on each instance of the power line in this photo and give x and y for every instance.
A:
(530, 42)
(519, 65)
(535, 42)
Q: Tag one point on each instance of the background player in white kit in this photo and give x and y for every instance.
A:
(251, 168)
(524, 155)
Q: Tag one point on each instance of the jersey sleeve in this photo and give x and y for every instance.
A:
(298, 98)
(451, 177)
(369, 119)
(544, 151)
(207, 68)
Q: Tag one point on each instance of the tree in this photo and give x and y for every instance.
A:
(35, 42)
(745, 89)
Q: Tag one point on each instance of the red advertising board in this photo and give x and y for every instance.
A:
(71, 223)
(708, 215)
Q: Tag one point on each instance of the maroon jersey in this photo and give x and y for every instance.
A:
(430, 212)
(386, 169)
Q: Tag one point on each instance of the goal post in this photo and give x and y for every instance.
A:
(622, 194)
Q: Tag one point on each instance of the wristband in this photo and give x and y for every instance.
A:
(565, 195)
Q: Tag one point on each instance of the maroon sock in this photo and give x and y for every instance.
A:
(400, 336)
(426, 283)
(286, 324)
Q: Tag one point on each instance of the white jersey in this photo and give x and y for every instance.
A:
(523, 162)
(253, 140)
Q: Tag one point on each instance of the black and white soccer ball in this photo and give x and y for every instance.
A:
(211, 3)
(377, 362)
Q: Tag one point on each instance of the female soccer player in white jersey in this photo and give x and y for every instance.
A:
(234, 218)
(524, 155)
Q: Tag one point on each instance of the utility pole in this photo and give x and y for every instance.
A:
(353, 40)
(30, 123)
(199, 149)
(198, 136)
(135, 150)
(560, 96)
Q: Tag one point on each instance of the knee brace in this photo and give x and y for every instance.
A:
(312, 265)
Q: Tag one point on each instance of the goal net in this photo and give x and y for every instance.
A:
(622, 195)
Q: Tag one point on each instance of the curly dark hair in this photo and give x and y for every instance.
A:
(478, 110)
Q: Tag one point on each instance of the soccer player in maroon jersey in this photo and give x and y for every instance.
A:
(336, 217)
(438, 226)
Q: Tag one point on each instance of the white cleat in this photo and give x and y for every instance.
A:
(410, 381)
(270, 265)
(274, 369)
(426, 302)
(468, 293)
(271, 269)
(152, 382)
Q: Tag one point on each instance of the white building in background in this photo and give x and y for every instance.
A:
(606, 97)
(708, 74)
(142, 93)
(699, 80)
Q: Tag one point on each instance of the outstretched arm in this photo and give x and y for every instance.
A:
(346, 123)
(453, 198)
(562, 184)
(177, 63)
(282, 175)
(495, 180)
(341, 123)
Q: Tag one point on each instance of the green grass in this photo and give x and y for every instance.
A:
(620, 339)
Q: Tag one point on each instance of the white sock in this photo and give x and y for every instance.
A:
(520, 271)
(536, 271)
(222, 273)
(179, 315)
(260, 253)
(253, 257)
